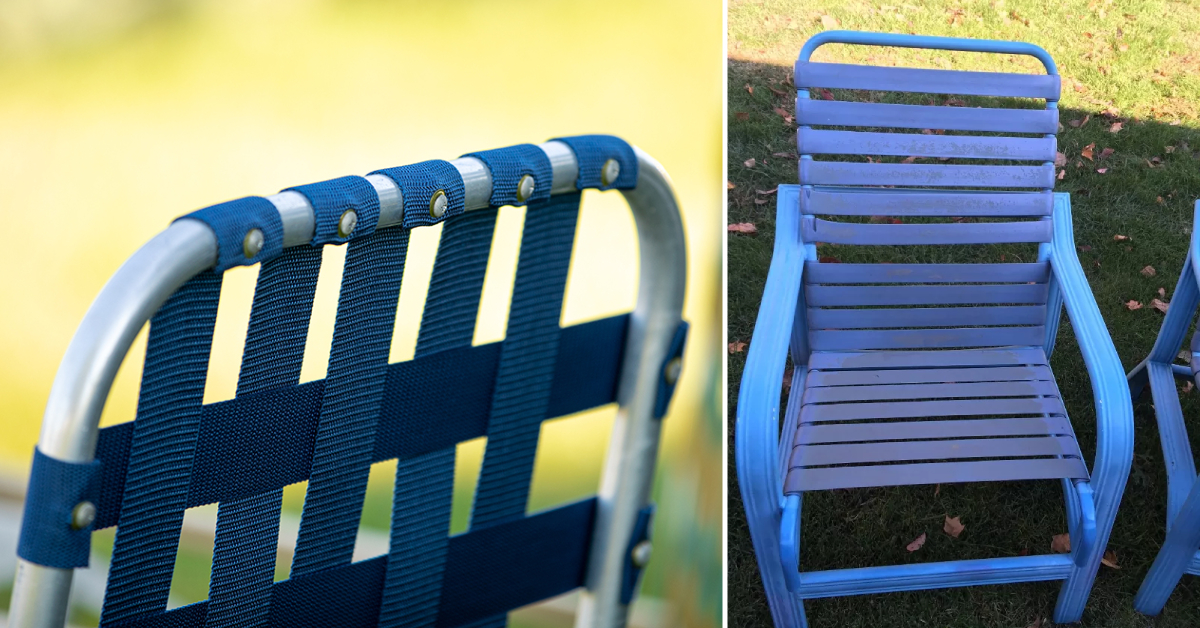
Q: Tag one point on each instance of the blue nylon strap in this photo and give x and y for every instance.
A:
(164, 437)
(631, 574)
(425, 484)
(248, 528)
(666, 387)
(357, 369)
(592, 151)
(330, 199)
(232, 220)
(526, 370)
(508, 165)
(55, 487)
(419, 182)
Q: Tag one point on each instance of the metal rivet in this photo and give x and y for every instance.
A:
(610, 172)
(437, 204)
(347, 223)
(252, 244)
(525, 188)
(672, 370)
(83, 515)
(641, 554)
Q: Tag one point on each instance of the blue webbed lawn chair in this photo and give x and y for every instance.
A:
(1178, 554)
(923, 373)
(180, 453)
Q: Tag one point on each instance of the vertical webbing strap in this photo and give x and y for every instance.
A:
(362, 336)
(425, 484)
(248, 529)
(160, 460)
(526, 368)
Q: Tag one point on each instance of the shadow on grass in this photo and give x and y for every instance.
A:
(1151, 180)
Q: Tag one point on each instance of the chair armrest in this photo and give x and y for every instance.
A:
(1114, 410)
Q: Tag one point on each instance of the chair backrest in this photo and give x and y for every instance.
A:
(180, 453)
(889, 171)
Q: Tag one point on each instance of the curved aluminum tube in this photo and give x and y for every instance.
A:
(898, 40)
(70, 426)
(632, 451)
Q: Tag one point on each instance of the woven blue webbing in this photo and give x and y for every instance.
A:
(592, 151)
(526, 369)
(508, 165)
(418, 182)
(362, 336)
(330, 199)
(160, 461)
(232, 220)
(425, 483)
(248, 529)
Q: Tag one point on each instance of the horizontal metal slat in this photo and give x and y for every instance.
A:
(823, 360)
(821, 273)
(817, 413)
(892, 79)
(953, 294)
(808, 434)
(811, 141)
(926, 175)
(820, 318)
(827, 478)
(869, 114)
(904, 202)
(895, 451)
(817, 230)
(818, 379)
(844, 339)
(835, 394)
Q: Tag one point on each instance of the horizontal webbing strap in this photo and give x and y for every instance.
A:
(413, 421)
(925, 175)
(819, 273)
(488, 572)
(811, 141)
(881, 202)
(871, 114)
(850, 76)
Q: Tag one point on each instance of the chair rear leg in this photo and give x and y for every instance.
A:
(1184, 302)
(1183, 539)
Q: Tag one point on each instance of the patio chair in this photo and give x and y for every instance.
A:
(909, 374)
(1178, 554)
(180, 453)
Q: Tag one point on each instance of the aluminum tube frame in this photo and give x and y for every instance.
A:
(70, 425)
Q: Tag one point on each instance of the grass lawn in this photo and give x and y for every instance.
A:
(1136, 64)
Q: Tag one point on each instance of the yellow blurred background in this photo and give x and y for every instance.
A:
(117, 117)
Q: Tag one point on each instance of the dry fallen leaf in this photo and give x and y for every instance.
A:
(1101, 170)
(784, 155)
(1159, 305)
(1060, 159)
(953, 526)
(750, 89)
(1133, 305)
(828, 21)
(917, 543)
(1110, 559)
(1086, 153)
(908, 160)
(1162, 292)
(1078, 123)
(787, 378)
(783, 113)
(761, 201)
(1161, 201)
(1061, 174)
(1106, 152)
(742, 115)
(736, 347)
(1116, 127)
(767, 192)
(826, 94)
(750, 163)
(1188, 386)
(742, 227)
(1148, 271)
(729, 185)
(937, 489)
(1037, 623)
(1061, 544)
(1120, 238)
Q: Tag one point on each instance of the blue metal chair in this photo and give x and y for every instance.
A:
(180, 453)
(923, 373)
(1179, 551)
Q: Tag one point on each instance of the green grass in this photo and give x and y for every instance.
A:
(1126, 60)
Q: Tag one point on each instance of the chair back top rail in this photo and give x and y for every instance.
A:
(897, 40)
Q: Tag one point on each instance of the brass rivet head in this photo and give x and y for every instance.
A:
(525, 188)
(672, 370)
(641, 554)
(252, 244)
(83, 515)
(438, 203)
(610, 172)
(347, 223)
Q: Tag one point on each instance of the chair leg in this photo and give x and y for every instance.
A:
(1184, 302)
(1183, 539)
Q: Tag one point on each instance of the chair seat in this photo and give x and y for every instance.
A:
(888, 418)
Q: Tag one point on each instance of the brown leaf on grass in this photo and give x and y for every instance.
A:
(1133, 305)
(784, 155)
(783, 113)
(742, 227)
(787, 378)
(1120, 238)
(742, 115)
(828, 21)
(1169, 149)
(761, 201)
(1185, 356)
(767, 192)
(1081, 121)
(1016, 16)
(750, 163)
(953, 526)
(826, 259)
(1060, 159)
(750, 89)
(1154, 162)
(908, 160)
(916, 544)
(955, 102)
(1188, 386)
(1162, 292)
(1037, 623)
(1106, 152)
(1161, 201)
(1116, 127)
(826, 94)
(1061, 175)
(729, 185)
(1159, 305)
(778, 92)
(1101, 170)
(1061, 544)
(1086, 153)
(1110, 559)
(937, 489)
(1148, 271)
(736, 347)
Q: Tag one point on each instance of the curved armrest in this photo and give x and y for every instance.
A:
(1114, 410)
(897, 40)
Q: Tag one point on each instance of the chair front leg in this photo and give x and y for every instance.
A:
(1184, 302)
(1178, 550)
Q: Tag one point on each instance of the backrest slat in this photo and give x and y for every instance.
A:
(849, 76)
(925, 175)
(817, 230)
(820, 112)
(820, 142)
(946, 203)
(852, 296)
(926, 273)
